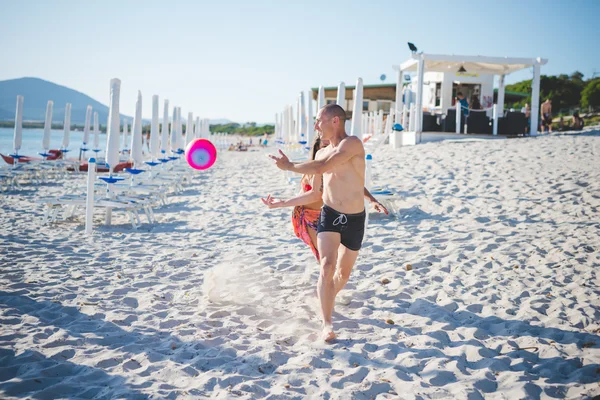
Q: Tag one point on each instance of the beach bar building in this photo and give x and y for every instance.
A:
(428, 103)
(375, 97)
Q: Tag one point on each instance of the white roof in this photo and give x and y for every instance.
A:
(471, 64)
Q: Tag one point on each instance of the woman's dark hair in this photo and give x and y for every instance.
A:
(316, 146)
(475, 104)
(576, 114)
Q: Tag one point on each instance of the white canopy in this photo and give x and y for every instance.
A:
(154, 139)
(421, 62)
(471, 64)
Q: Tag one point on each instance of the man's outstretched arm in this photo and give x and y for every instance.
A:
(349, 147)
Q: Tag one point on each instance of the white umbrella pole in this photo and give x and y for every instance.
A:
(357, 110)
(112, 133)
(125, 134)
(47, 129)
(96, 133)
(86, 132)
(321, 98)
(154, 134)
(174, 124)
(341, 95)
(89, 201)
(189, 129)
(136, 138)
(310, 124)
(164, 134)
(67, 128)
(302, 121)
(18, 134)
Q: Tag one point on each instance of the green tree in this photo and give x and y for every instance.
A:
(577, 77)
(590, 96)
(563, 90)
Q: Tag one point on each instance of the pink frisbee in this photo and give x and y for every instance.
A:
(200, 154)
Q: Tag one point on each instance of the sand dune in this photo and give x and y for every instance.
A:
(217, 299)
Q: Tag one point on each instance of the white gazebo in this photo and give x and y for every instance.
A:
(481, 69)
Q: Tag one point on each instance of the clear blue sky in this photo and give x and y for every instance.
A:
(244, 60)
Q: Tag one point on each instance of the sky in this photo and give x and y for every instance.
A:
(245, 60)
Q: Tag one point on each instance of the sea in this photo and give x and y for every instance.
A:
(32, 142)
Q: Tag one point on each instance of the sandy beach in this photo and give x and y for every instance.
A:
(485, 287)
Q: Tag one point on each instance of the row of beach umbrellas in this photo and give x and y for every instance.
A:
(298, 126)
(161, 144)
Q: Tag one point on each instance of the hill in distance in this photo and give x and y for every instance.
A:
(36, 94)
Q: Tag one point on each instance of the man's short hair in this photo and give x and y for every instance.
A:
(334, 110)
(459, 94)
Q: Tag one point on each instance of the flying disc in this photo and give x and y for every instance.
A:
(200, 154)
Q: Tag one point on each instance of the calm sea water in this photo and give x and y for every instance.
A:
(32, 141)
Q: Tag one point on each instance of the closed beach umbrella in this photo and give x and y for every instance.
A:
(341, 95)
(189, 129)
(321, 98)
(47, 126)
(309, 119)
(96, 132)
(112, 130)
(180, 141)
(174, 125)
(67, 127)
(136, 137)
(290, 137)
(18, 136)
(164, 134)
(125, 134)
(302, 119)
(206, 128)
(154, 139)
(298, 119)
(197, 127)
(86, 127)
(357, 111)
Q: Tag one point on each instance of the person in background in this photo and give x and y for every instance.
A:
(464, 104)
(527, 111)
(475, 104)
(546, 111)
(577, 122)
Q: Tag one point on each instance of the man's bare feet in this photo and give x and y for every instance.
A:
(328, 335)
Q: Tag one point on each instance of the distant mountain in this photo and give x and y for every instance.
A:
(36, 94)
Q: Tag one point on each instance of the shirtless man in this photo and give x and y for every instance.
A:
(546, 111)
(342, 223)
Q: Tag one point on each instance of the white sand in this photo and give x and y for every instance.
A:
(214, 301)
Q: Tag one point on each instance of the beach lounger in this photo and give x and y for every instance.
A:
(68, 204)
